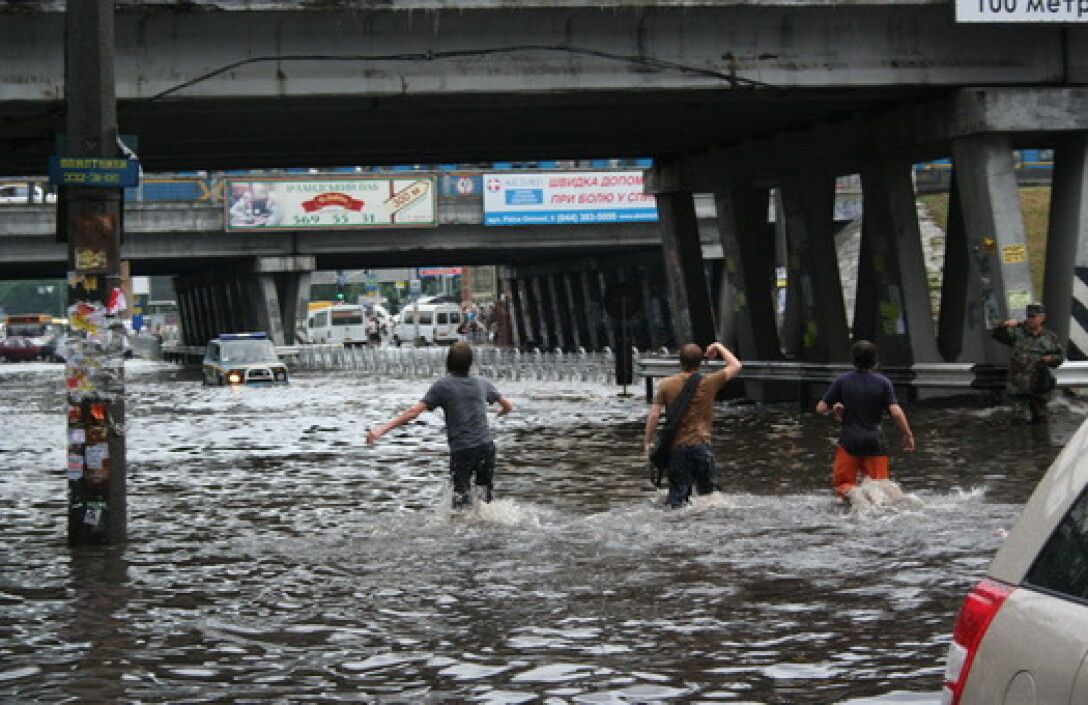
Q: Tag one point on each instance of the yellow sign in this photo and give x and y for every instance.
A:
(1014, 254)
(87, 259)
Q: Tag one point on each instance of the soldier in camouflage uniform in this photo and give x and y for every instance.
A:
(1029, 345)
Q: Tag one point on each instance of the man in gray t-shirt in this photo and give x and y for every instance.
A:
(464, 400)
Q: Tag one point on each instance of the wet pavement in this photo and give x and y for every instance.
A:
(273, 557)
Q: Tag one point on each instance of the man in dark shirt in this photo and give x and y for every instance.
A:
(859, 399)
(464, 399)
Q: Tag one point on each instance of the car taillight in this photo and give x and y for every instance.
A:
(979, 609)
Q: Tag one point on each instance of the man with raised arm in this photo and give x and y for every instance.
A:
(691, 459)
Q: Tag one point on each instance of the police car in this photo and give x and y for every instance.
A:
(243, 358)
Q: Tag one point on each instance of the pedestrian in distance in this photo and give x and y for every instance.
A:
(1033, 351)
(859, 400)
(464, 400)
(691, 458)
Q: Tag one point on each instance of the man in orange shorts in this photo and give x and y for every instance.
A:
(859, 399)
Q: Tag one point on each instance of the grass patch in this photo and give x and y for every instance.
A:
(1035, 209)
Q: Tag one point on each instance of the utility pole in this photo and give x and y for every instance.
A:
(91, 173)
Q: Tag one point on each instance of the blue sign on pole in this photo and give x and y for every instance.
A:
(95, 172)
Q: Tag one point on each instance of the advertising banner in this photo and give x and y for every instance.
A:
(1031, 11)
(439, 271)
(330, 204)
(558, 198)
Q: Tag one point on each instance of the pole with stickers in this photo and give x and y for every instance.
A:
(91, 173)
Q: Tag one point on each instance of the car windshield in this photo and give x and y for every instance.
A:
(249, 351)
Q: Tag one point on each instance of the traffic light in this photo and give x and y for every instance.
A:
(339, 294)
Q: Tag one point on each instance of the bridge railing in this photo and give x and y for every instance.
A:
(944, 375)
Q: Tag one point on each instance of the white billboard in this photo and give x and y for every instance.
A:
(329, 204)
(1022, 10)
(560, 198)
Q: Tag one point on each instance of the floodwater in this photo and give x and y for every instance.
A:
(273, 557)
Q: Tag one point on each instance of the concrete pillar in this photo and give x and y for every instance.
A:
(268, 307)
(791, 319)
(529, 327)
(1065, 281)
(895, 266)
(990, 198)
(592, 311)
(296, 305)
(546, 339)
(809, 202)
(573, 310)
(560, 321)
(689, 296)
(653, 340)
(957, 278)
(748, 252)
(517, 331)
(606, 320)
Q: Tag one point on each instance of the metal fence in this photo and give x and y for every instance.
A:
(490, 362)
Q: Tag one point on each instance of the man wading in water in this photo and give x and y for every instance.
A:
(691, 459)
(464, 401)
(859, 399)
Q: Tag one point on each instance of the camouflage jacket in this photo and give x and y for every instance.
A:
(1025, 349)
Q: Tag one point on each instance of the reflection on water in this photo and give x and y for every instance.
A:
(274, 557)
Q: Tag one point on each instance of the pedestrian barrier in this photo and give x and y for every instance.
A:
(491, 362)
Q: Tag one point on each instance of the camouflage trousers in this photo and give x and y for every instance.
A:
(1029, 408)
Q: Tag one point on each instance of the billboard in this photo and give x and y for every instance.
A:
(559, 198)
(329, 204)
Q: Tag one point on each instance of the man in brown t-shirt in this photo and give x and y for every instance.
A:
(691, 459)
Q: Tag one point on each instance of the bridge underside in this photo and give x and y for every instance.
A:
(748, 102)
(329, 131)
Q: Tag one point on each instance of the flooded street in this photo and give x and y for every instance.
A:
(273, 557)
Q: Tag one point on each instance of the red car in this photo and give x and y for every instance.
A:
(18, 349)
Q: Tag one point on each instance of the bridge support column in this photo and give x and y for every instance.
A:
(530, 329)
(653, 340)
(689, 296)
(809, 203)
(560, 320)
(546, 339)
(892, 306)
(1065, 282)
(278, 286)
(990, 199)
(592, 312)
(573, 310)
(748, 267)
(958, 278)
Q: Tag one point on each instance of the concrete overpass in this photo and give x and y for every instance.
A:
(729, 97)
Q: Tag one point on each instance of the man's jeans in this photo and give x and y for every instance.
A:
(689, 465)
(478, 461)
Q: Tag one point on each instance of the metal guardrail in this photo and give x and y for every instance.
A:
(193, 354)
(940, 375)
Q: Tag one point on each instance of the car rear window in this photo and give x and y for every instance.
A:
(1062, 565)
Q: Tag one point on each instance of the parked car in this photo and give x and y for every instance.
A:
(16, 348)
(1022, 634)
(242, 358)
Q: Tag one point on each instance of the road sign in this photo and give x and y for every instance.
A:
(96, 172)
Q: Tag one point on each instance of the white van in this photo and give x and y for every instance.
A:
(341, 323)
(427, 324)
